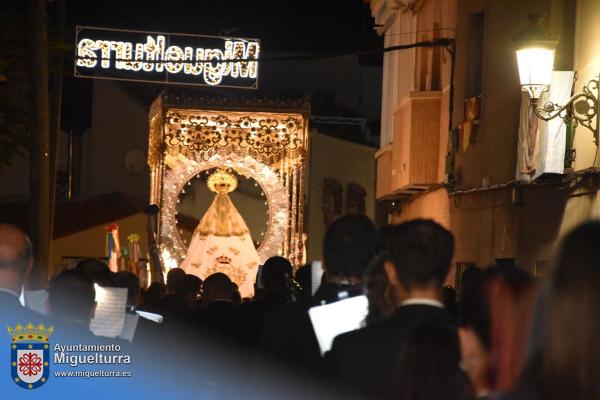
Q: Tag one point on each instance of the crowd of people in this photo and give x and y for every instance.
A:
(501, 335)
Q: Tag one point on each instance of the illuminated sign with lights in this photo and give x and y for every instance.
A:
(166, 57)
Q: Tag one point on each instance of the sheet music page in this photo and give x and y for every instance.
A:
(316, 272)
(331, 320)
(129, 326)
(150, 316)
(36, 300)
(109, 317)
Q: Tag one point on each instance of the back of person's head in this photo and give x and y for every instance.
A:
(16, 257)
(71, 296)
(421, 251)
(349, 245)
(236, 296)
(172, 277)
(96, 270)
(16, 251)
(497, 307)
(274, 272)
(129, 281)
(428, 366)
(570, 360)
(217, 286)
(303, 276)
(188, 285)
(155, 292)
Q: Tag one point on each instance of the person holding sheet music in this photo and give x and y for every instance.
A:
(71, 294)
(418, 260)
(349, 245)
(72, 298)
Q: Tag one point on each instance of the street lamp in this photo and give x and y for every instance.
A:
(535, 58)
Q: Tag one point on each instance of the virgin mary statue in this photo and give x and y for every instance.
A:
(221, 242)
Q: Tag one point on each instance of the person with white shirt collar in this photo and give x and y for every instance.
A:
(417, 262)
(16, 261)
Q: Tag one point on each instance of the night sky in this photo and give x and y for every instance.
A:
(312, 28)
(309, 26)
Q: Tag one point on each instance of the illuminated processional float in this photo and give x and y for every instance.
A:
(263, 140)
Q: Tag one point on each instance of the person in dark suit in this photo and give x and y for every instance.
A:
(130, 281)
(173, 276)
(429, 366)
(249, 317)
(418, 260)
(71, 296)
(216, 312)
(16, 260)
(71, 305)
(349, 245)
(152, 297)
(184, 297)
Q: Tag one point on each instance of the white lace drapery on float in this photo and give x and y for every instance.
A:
(221, 242)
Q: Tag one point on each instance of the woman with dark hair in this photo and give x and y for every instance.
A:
(381, 295)
(567, 364)
(429, 365)
(495, 319)
(379, 292)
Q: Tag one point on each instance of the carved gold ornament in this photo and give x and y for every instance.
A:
(268, 135)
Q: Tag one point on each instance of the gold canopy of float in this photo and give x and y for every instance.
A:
(266, 140)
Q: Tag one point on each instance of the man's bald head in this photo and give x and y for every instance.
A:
(15, 249)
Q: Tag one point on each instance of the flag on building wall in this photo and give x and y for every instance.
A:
(542, 144)
(468, 128)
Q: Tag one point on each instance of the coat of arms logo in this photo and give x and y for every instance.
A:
(30, 355)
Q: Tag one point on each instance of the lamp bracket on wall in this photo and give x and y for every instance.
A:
(582, 108)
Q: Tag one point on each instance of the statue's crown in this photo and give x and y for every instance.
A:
(30, 332)
(222, 181)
